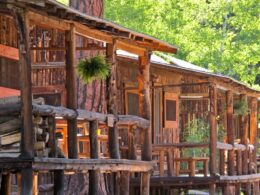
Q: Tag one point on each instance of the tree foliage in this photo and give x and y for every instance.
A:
(222, 35)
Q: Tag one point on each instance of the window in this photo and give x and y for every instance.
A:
(132, 100)
(170, 110)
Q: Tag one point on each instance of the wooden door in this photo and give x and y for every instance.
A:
(171, 110)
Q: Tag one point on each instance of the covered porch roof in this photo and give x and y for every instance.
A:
(51, 12)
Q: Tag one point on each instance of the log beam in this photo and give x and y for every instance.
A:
(230, 132)
(71, 88)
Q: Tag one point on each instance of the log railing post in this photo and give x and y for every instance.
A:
(244, 138)
(71, 88)
(230, 132)
(6, 184)
(94, 154)
(213, 134)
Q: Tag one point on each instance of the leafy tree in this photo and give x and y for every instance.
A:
(221, 35)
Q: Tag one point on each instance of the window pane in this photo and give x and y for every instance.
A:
(170, 110)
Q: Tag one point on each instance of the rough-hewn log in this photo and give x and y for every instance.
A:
(47, 110)
(10, 109)
(10, 139)
(6, 184)
(230, 132)
(131, 143)
(244, 137)
(71, 88)
(144, 102)
(222, 157)
(254, 127)
(124, 183)
(10, 126)
(22, 23)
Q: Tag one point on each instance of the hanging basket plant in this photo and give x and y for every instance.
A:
(241, 108)
(89, 69)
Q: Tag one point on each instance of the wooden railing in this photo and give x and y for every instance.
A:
(48, 75)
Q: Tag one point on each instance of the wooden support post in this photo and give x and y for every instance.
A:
(254, 127)
(27, 181)
(112, 99)
(145, 184)
(131, 143)
(144, 102)
(213, 135)
(256, 188)
(124, 183)
(94, 154)
(71, 88)
(213, 130)
(239, 162)
(237, 189)
(6, 184)
(59, 182)
(27, 143)
(35, 183)
(161, 163)
(222, 162)
(230, 132)
(248, 189)
(244, 138)
(52, 143)
(19, 182)
(170, 162)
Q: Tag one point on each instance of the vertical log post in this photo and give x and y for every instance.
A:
(213, 134)
(145, 112)
(131, 143)
(71, 88)
(93, 175)
(144, 102)
(112, 107)
(6, 184)
(253, 128)
(27, 142)
(230, 132)
(59, 182)
(244, 138)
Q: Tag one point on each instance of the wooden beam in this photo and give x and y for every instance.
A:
(230, 132)
(49, 21)
(130, 48)
(87, 32)
(27, 143)
(71, 88)
(213, 130)
(144, 102)
(9, 52)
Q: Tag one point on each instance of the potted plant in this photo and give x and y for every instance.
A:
(89, 69)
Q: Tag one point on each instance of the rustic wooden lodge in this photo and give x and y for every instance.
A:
(138, 133)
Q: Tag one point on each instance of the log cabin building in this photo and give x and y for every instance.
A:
(145, 112)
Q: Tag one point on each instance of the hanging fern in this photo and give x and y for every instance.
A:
(93, 68)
